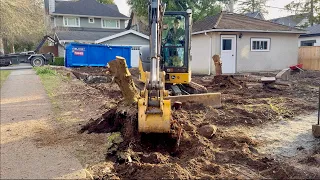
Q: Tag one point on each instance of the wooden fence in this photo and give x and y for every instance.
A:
(52, 49)
(310, 57)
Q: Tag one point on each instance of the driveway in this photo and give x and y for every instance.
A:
(26, 110)
(17, 66)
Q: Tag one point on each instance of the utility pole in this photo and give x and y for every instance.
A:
(231, 6)
(311, 12)
(253, 4)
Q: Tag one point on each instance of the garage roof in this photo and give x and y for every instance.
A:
(86, 34)
(226, 21)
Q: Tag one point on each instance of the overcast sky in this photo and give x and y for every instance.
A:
(273, 12)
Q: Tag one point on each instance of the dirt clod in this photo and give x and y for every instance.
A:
(208, 131)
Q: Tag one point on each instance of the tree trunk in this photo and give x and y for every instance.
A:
(1, 46)
(12, 48)
(6, 46)
(119, 70)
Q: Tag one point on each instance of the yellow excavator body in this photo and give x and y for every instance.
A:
(154, 123)
(154, 119)
(166, 64)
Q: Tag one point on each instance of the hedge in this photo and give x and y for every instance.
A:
(58, 61)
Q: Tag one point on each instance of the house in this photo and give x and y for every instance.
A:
(312, 38)
(257, 15)
(245, 44)
(299, 20)
(138, 24)
(88, 21)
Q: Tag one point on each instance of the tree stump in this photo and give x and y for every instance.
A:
(123, 117)
(119, 70)
(218, 64)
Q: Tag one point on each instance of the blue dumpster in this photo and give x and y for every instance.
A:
(94, 54)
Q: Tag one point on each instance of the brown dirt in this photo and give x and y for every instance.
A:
(231, 153)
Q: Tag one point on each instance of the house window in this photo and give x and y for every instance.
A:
(91, 20)
(259, 44)
(308, 43)
(108, 23)
(71, 21)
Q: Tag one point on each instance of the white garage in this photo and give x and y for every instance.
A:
(128, 38)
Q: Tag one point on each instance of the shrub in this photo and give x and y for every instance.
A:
(58, 61)
(45, 70)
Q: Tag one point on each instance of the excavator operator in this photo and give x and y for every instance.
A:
(174, 42)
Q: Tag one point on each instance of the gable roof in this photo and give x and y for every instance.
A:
(291, 21)
(88, 8)
(121, 34)
(312, 31)
(85, 34)
(315, 29)
(257, 15)
(232, 22)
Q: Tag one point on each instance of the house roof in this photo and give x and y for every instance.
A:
(88, 8)
(85, 34)
(236, 22)
(312, 31)
(291, 21)
(121, 34)
(255, 15)
(315, 29)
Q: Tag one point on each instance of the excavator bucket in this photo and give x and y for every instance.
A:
(152, 119)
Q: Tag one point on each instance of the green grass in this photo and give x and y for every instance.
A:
(52, 82)
(44, 70)
(50, 79)
(3, 76)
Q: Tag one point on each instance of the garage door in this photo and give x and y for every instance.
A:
(135, 55)
(135, 50)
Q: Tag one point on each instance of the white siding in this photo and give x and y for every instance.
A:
(283, 52)
(202, 50)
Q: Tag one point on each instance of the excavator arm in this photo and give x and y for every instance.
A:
(154, 112)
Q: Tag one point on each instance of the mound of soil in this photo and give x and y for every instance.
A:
(228, 154)
(94, 71)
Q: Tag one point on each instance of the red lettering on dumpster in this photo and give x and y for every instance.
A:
(78, 53)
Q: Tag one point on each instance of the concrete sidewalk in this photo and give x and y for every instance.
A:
(17, 66)
(26, 110)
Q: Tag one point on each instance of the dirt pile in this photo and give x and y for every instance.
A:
(228, 154)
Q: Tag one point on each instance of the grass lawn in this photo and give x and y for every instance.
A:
(50, 80)
(3, 76)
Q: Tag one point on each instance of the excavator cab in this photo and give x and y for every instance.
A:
(175, 47)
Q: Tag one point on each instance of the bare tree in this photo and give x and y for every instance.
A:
(21, 20)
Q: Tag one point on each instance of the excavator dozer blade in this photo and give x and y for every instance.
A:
(157, 121)
(210, 99)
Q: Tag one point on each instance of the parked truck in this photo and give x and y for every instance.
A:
(32, 57)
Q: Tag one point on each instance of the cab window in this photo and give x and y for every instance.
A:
(173, 41)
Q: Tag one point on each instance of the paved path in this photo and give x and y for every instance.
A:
(17, 66)
(25, 110)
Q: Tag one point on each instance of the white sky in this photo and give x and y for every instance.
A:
(272, 12)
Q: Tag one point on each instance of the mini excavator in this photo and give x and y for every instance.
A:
(164, 67)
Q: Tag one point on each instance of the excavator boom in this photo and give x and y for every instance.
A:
(154, 112)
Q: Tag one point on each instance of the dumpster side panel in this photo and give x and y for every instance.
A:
(123, 51)
(95, 55)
